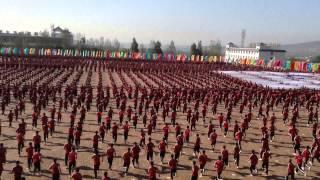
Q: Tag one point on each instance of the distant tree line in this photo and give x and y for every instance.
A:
(78, 40)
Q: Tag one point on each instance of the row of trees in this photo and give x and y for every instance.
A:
(155, 47)
(316, 59)
(214, 49)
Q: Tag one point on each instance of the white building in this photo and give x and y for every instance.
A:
(261, 51)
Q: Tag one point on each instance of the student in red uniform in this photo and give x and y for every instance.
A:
(225, 156)
(152, 171)
(29, 151)
(187, 135)
(55, 170)
(272, 132)
(173, 166)
(290, 170)
(20, 142)
(265, 161)
(193, 121)
(102, 131)
(253, 159)
(135, 151)
(115, 128)
(126, 128)
(95, 141)
(76, 175)
(238, 138)
(235, 128)
(306, 157)
(150, 147)
(299, 162)
(135, 120)
(126, 161)
(67, 148)
(142, 138)
(195, 171)
(51, 126)
(293, 132)
(17, 171)
(165, 130)
(149, 127)
(99, 117)
(219, 167)
(10, 118)
(316, 155)
(34, 119)
(314, 129)
(107, 122)
(177, 150)
(71, 134)
(297, 143)
(72, 159)
(45, 129)
(77, 138)
(177, 129)
(213, 139)
(196, 147)
(220, 119)
(144, 119)
(162, 149)
(236, 155)
(203, 158)
(96, 163)
(226, 127)
(36, 159)
(3, 153)
(59, 118)
(111, 153)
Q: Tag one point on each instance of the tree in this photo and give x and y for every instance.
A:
(199, 49)
(193, 49)
(90, 43)
(107, 44)
(151, 46)
(317, 59)
(142, 48)
(134, 45)
(172, 48)
(96, 43)
(101, 43)
(44, 33)
(157, 47)
(116, 45)
(215, 48)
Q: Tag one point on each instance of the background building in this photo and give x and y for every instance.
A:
(59, 38)
(259, 52)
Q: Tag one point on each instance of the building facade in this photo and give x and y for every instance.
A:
(259, 52)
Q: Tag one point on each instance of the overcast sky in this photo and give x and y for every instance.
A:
(184, 21)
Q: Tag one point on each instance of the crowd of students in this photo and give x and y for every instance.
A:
(158, 91)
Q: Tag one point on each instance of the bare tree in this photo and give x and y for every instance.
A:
(107, 44)
(101, 43)
(44, 33)
(116, 44)
(172, 48)
(142, 48)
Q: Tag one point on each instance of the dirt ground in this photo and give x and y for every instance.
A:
(281, 147)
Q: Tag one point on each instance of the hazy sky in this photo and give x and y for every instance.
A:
(184, 21)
